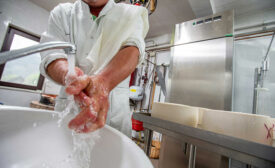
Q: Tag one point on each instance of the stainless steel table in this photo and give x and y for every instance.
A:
(249, 152)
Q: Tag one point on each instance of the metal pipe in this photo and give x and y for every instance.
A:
(167, 46)
(147, 141)
(255, 91)
(145, 80)
(10, 55)
(269, 46)
(159, 47)
(271, 30)
(255, 26)
(152, 90)
(252, 37)
(153, 41)
(192, 156)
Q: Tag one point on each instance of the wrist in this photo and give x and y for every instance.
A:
(104, 82)
(58, 70)
(62, 70)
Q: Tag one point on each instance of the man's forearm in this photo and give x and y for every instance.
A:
(120, 67)
(57, 70)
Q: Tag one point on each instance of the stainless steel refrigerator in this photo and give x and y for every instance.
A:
(201, 63)
(200, 75)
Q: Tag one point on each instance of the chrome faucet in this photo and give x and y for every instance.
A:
(10, 55)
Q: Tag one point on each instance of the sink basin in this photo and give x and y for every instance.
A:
(31, 138)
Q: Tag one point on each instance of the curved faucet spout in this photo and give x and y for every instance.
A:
(10, 55)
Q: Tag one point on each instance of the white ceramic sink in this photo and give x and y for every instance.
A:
(30, 138)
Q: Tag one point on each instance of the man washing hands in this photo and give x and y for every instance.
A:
(110, 44)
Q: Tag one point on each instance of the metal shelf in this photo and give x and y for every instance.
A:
(249, 152)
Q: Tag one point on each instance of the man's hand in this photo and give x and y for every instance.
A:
(75, 83)
(92, 93)
(93, 99)
(89, 92)
(94, 102)
(58, 71)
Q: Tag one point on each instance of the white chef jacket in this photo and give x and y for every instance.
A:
(74, 23)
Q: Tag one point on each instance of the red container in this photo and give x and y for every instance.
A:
(137, 125)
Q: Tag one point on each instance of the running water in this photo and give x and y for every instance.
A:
(83, 144)
(70, 99)
(71, 64)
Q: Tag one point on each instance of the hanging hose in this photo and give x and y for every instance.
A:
(265, 63)
(265, 58)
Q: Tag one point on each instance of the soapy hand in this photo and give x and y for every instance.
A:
(94, 103)
(75, 83)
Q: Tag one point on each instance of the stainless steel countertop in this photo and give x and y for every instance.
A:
(249, 152)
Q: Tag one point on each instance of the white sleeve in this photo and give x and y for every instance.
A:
(55, 32)
(137, 37)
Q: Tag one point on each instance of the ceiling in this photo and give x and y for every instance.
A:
(170, 12)
(241, 6)
(167, 14)
(201, 8)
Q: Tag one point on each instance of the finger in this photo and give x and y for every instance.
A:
(89, 126)
(83, 99)
(105, 109)
(71, 77)
(95, 105)
(77, 121)
(93, 122)
(77, 100)
(100, 120)
(72, 90)
(78, 71)
(86, 120)
(90, 87)
(77, 85)
(85, 128)
(82, 118)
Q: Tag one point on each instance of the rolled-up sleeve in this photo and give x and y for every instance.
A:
(137, 37)
(55, 32)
